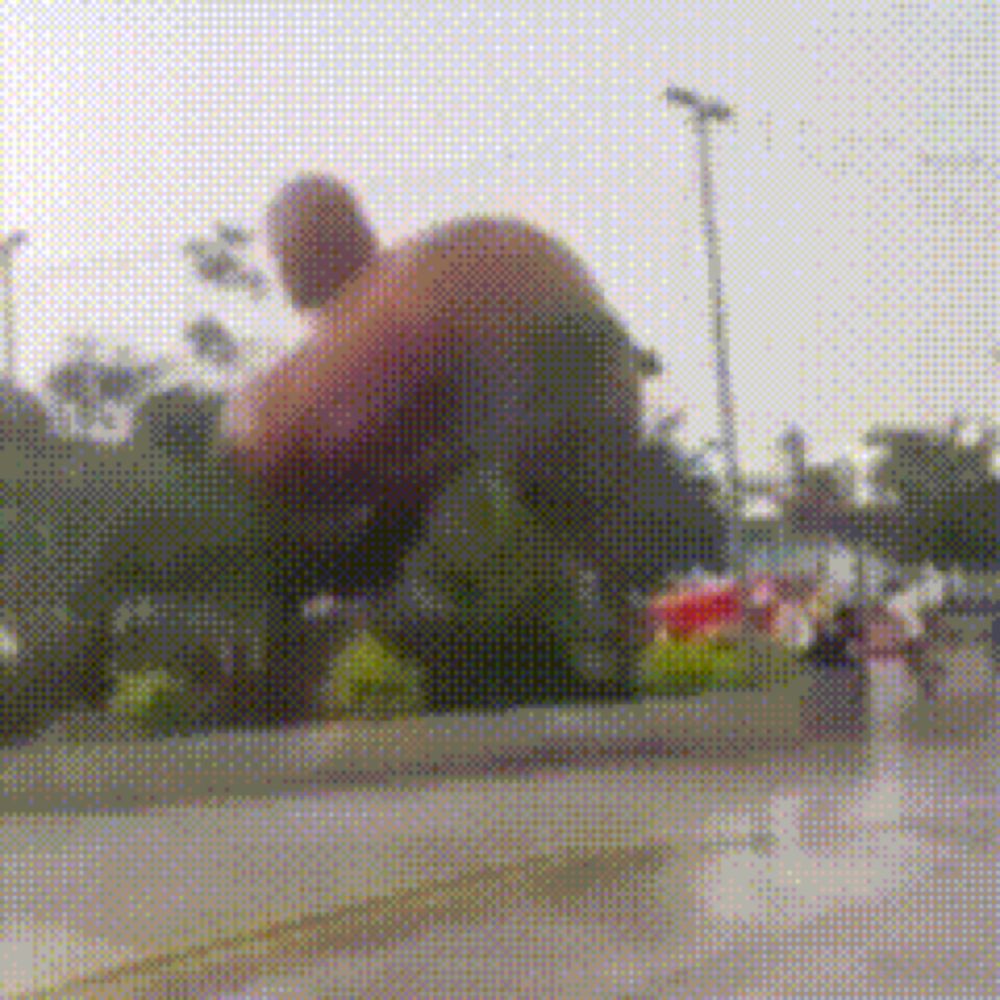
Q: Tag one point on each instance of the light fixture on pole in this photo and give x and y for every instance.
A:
(703, 111)
(7, 247)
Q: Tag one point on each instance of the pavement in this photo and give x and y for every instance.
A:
(862, 868)
(858, 875)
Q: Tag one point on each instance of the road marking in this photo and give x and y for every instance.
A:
(274, 947)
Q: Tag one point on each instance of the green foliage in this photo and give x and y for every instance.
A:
(669, 517)
(59, 664)
(370, 678)
(9, 646)
(485, 556)
(679, 669)
(467, 666)
(155, 701)
(648, 363)
(221, 260)
(188, 651)
(495, 610)
(96, 391)
(89, 525)
(164, 512)
(822, 499)
(157, 525)
(942, 485)
(24, 421)
(766, 661)
(968, 529)
(212, 343)
(180, 422)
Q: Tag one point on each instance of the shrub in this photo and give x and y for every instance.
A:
(9, 648)
(675, 668)
(187, 656)
(155, 701)
(369, 678)
(680, 669)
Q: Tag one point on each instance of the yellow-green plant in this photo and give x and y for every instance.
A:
(368, 677)
(155, 701)
(681, 668)
(675, 668)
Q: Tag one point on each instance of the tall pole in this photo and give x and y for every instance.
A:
(7, 248)
(704, 112)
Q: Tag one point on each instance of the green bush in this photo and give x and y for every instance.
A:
(194, 658)
(155, 701)
(504, 617)
(369, 678)
(485, 556)
(680, 669)
(9, 648)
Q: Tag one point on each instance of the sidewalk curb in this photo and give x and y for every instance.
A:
(75, 777)
(147, 774)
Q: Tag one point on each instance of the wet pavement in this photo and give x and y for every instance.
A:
(862, 867)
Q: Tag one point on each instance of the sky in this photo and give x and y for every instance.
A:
(856, 183)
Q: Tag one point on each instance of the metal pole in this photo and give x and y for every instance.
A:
(704, 111)
(723, 379)
(7, 278)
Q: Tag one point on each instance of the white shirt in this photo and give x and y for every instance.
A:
(793, 627)
(905, 612)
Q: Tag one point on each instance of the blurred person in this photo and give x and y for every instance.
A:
(994, 642)
(916, 644)
(821, 604)
(837, 702)
(793, 626)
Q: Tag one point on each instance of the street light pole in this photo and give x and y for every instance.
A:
(703, 112)
(7, 247)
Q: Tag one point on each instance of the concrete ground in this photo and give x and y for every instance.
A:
(848, 868)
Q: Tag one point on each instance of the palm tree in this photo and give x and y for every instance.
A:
(97, 391)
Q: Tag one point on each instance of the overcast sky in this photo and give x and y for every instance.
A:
(857, 184)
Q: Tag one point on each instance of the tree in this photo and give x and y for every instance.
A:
(24, 421)
(180, 422)
(97, 523)
(942, 485)
(126, 522)
(98, 392)
(821, 500)
(221, 262)
(675, 516)
(968, 531)
(212, 343)
(648, 363)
